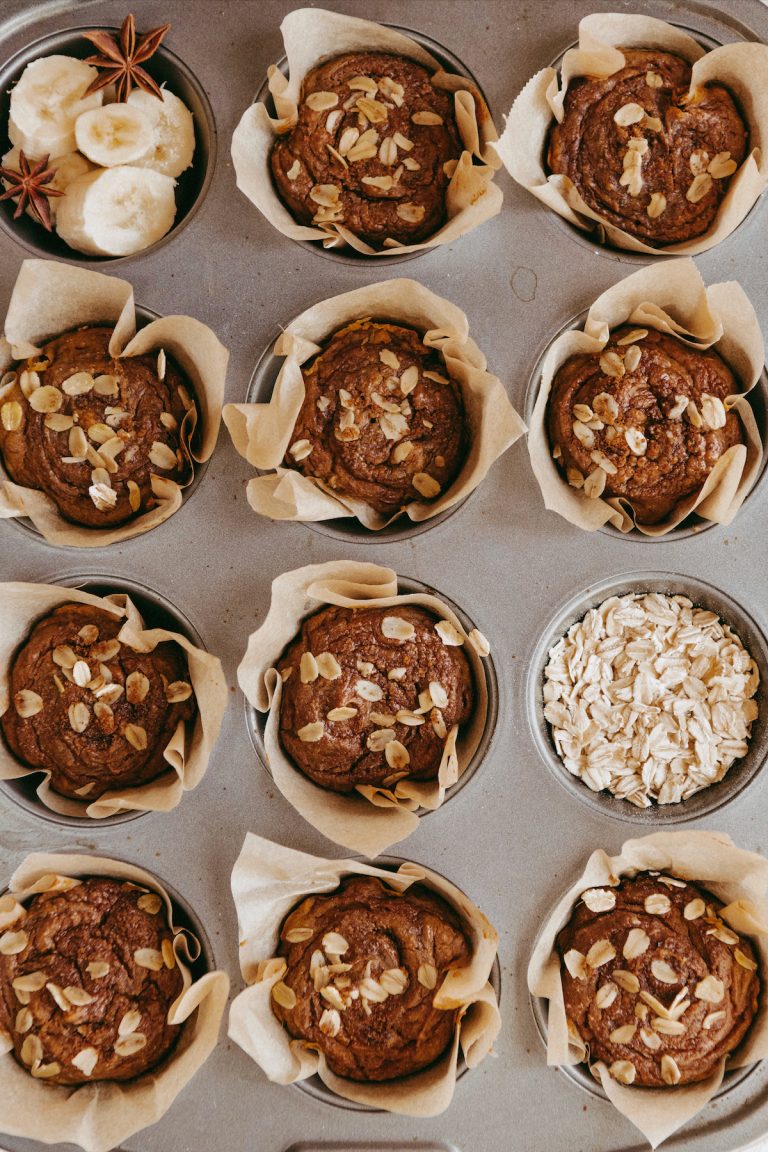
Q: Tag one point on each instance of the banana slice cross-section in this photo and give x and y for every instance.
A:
(114, 134)
(116, 211)
(46, 102)
(173, 145)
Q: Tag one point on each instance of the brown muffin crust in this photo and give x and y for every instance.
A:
(662, 966)
(131, 422)
(323, 169)
(362, 978)
(98, 977)
(683, 137)
(381, 421)
(123, 706)
(403, 696)
(660, 425)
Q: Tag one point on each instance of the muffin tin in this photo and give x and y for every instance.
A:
(513, 837)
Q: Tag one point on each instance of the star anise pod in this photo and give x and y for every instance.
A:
(121, 62)
(30, 185)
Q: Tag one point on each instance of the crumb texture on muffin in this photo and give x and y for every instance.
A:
(656, 985)
(370, 695)
(363, 966)
(87, 978)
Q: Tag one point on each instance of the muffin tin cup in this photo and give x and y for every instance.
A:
(144, 317)
(350, 256)
(256, 721)
(704, 595)
(345, 528)
(158, 612)
(192, 186)
(693, 525)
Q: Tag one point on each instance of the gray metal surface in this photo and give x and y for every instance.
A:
(513, 837)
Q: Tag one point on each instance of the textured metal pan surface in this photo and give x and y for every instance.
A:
(513, 837)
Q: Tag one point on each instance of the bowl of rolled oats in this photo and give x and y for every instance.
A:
(646, 700)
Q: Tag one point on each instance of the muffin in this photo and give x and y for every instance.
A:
(89, 709)
(370, 695)
(646, 156)
(644, 420)
(655, 984)
(90, 430)
(87, 978)
(363, 964)
(381, 422)
(373, 149)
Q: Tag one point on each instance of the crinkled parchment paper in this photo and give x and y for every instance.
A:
(742, 68)
(314, 34)
(262, 433)
(673, 298)
(100, 1115)
(267, 882)
(740, 880)
(370, 819)
(187, 754)
(49, 299)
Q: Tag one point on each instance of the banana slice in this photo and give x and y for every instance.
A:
(174, 132)
(68, 168)
(116, 211)
(46, 102)
(114, 134)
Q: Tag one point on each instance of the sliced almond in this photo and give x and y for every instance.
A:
(411, 213)
(693, 414)
(341, 714)
(311, 733)
(449, 634)
(178, 692)
(330, 1022)
(403, 142)
(79, 716)
(104, 498)
(321, 101)
(150, 902)
(378, 740)
(169, 956)
(328, 666)
(308, 668)
(636, 943)
(396, 754)
(46, 399)
(626, 980)
(13, 943)
(136, 687)
(11, 415)
(636, 441)
(78, 384)
(409, 380)
(700, 186)
(623, 1071)
(27, 703)
(710, 990)
(149, 958)
(744, 960)
(712, 1019)
(670, 1073)
(629, 114)
(97, 969)
(136, 736)
(623, 1035)
(162, 456)
(86, 1060)
(605, 995)
(721, 166)
(664, 972)
(78, 996)
(575, 962)
(134, 495)
(396, 628)
(427, 976)
(130, 1045)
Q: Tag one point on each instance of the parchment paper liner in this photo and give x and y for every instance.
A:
(50, 298)
(370, 819)
(314, 34)
(740, 880)
(21, 605)
(267, 881)
(262, 432)
(742, 68)
(101, 1115)
(672, 298)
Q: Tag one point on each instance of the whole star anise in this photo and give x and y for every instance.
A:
(121, 61)
(30, 185)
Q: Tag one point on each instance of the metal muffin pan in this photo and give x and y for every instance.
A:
(515, 838)
(257, 721)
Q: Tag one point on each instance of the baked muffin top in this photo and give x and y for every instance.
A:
(381, 421)
(655, 983)
(363, 965)
(644, 419)
(90, 430)
(373, 149)
(370, 695)
(87, 980)
(89, 709)
(643, 154)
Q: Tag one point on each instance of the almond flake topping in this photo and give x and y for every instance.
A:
(427, 976)
(664, 972)
(367, 690)
(426, 118)
(12, 943)
(623, 1071)
(712, 1019)
(629, 114)
(341, 714)
(411, 213)
(79, 716)
(11, 415)
(86, 1060)
(178, 691)
(623, 1034)
(744, 960)
(298, 935)
(311, 733)
(136, 736)
(722, 166)
(395, 628)
(322, 101)
(328, 666)
(699, 187)
(308, 668)
(396, 754)
(710, 989)
(148, 958)
(657, 904)
(27, 703)
(78, 384)
(575, 962)
(599, 899)
(654, 80)
(449, 634)
(129, 1045)
(670, 1073)
(636, 944)
(150, 902)
(606, 995)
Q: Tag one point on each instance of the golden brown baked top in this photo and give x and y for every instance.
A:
(370, 695)
(89, 430)
(363, 964)
(87, 977)
(373, 149)
(644, 155)
(644, 419)
(655, 984)
(381, 421)
(89, 709)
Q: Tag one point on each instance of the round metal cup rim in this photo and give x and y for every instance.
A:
(590, 238)
(313, 1086)
(26, 55)
(352, 257)
(256, 721)
(741, 774)
(259, 391)
(693, 525)
(16, 790)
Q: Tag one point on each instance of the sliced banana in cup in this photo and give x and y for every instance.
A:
(174, 132)
(114, 134)
(46, 103)
(116, 211)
